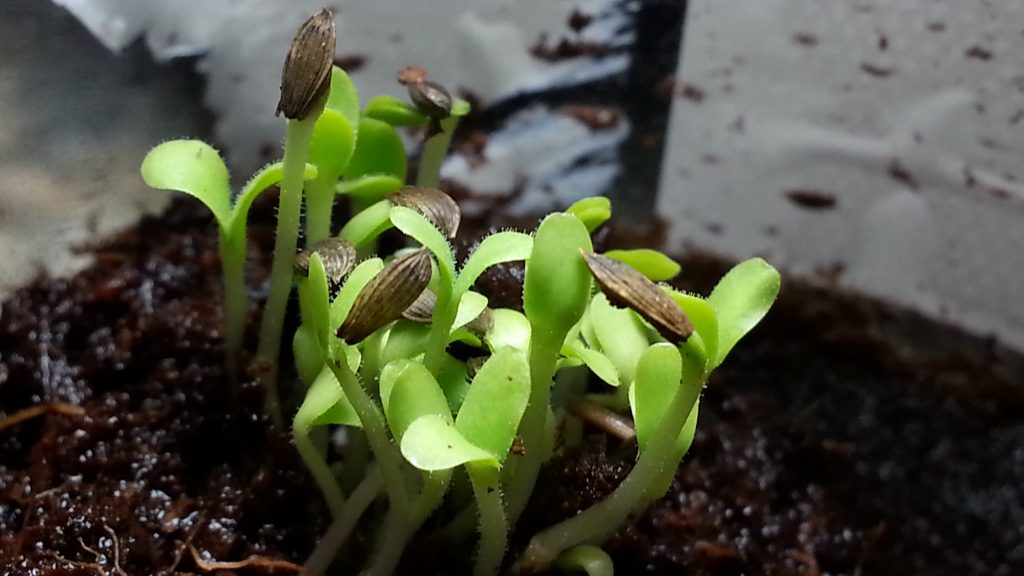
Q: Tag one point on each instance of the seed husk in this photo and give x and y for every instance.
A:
(627, 288)
(474, 364)
(430, 98)
(338, 256)
(384, 298)
(481, 324)
(434, 205)
(306, 75)
(422, 309)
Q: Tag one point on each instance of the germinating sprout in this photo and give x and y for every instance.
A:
(446, 402)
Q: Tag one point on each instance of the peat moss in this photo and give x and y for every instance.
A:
(821, 448)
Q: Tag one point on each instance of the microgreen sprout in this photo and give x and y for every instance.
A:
(305, 82)
(194, 167)
(433, 432)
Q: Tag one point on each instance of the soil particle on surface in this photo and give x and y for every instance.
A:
(977, 52)
(876, 70)
(805, 39)
(692, 92)
(811, 199)
(900, 173)
(596, 118)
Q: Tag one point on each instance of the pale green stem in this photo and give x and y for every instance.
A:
(344, 522)
(493, 525)
(370, 370)
(317, 465)
(236, 303)
(392, 538)
(533, 428)
(389, 459)
(434, 151)
(445, 311)
(462, 526)
(397, 530)
(319, 206)
(356, 459)
(435, 486)
(296, 149)
(595, 524)
(589, 559)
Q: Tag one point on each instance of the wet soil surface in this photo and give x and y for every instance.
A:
(819, 449)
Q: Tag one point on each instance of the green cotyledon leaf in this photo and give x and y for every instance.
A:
(394, 111)
(509, 328)
(658, 374)
(651, 263)
(592, 211)
(379, 150)
(416, 226)
(741, 299)
(620, 334)
(493, 406)
(331, 148)
(432, 443)
(557, 284)
(357, 279)
(369, 187)
(325, 403)
(408, 391)
(195, 168)
(597, 362)
(343, 97)
(494, 249)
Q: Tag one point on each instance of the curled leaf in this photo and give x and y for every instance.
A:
(434, 205)
(384, 298)
(338, 256)
(306, 76)
(626, 287)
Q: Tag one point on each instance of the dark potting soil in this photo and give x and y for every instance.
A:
(821, 449)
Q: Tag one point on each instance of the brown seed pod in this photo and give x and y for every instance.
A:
(625, 287)
(430, 98)
(474, 364)
(338, 256)
(306, 75)
(481, 324)
(411, 75)
(434, 205)
(385, 297)
(422, 309)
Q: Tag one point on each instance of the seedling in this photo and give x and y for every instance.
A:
(374, 347)
(195, 168)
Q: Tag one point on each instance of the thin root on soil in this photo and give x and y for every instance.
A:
(40, 410)
(250, 562)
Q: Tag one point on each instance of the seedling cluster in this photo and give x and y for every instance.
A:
(436, 436)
